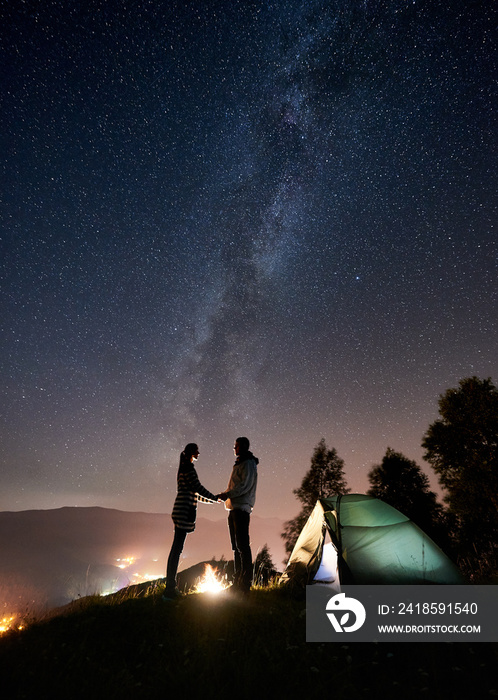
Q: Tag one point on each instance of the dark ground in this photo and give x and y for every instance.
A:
(134, 645)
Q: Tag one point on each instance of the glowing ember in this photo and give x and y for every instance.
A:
(210, 583)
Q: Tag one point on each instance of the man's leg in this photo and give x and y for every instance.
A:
(240, 520)
(237, 562)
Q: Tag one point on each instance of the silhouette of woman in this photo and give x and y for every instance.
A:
(189, 492)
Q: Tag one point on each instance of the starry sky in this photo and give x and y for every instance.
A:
(223, 218)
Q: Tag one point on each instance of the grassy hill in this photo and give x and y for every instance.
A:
(135, 645)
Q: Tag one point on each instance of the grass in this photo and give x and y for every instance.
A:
(134, 645)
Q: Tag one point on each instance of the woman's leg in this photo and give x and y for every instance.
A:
(174, 558)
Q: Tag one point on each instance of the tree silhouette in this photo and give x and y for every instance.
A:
(401, 483)
(462, 448)
(264, 568)
(324, 478)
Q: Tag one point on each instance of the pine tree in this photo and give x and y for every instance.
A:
(324, 478)
(264, 569)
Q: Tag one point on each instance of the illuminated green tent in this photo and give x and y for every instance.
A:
(359, 539)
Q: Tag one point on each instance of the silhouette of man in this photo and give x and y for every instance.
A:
(239, 500)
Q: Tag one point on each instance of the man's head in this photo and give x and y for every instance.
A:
(241, 445)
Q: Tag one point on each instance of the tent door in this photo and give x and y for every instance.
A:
(328, 571)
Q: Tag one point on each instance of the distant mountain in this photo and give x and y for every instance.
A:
(50, 557)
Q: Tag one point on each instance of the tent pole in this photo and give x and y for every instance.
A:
(339, 539)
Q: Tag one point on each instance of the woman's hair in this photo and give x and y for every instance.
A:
(186, 455)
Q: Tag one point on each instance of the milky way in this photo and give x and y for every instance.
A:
(238, 218)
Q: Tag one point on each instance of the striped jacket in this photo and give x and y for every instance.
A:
(190, 490)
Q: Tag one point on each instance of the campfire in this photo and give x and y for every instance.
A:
(211, 582)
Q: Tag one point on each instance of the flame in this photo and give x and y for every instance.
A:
(210, 583)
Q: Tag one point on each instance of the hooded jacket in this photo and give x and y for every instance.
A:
(241, 490)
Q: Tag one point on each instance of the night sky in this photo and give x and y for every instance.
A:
(223, 218)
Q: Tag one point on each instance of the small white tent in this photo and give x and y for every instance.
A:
(359, 539)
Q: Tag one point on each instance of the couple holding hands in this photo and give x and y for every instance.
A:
(239, 499)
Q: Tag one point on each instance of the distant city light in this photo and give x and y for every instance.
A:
(9, 623)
